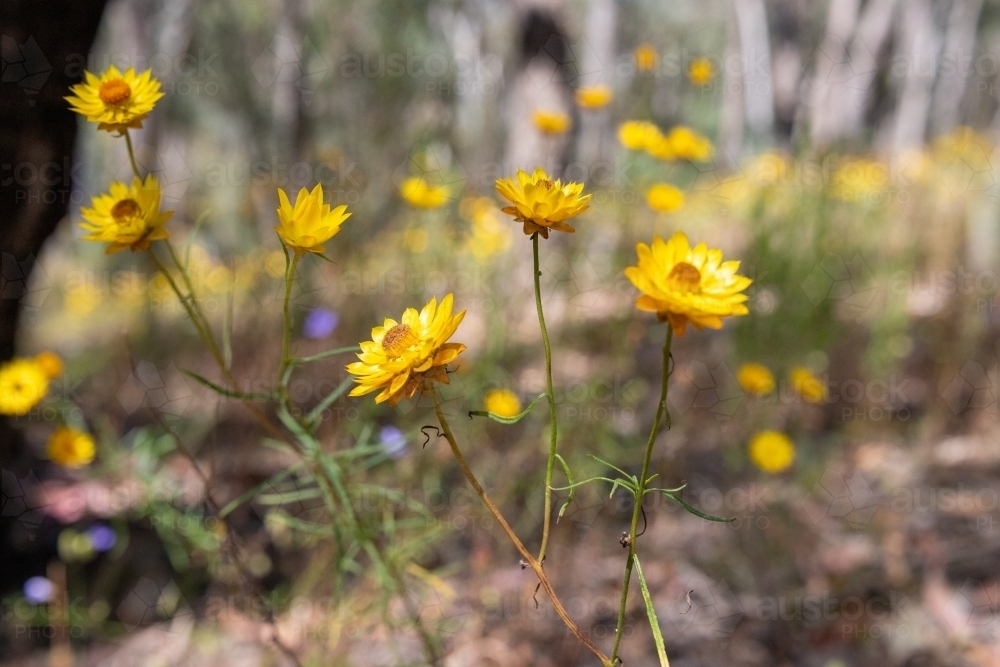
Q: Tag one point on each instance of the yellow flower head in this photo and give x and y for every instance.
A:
(309, 224)
(71, 448)
(685, 285)
(128, 216)
(541, 203)
(682, 143)
(502, 402)
(664, 198)
(772, 451)
(114, 99)
(418, 192)
(551, 122)
(594, 97)
(23, 384)
(807, 384)
(645, 57)
(756, 379)
(407, 356)
(701, 71)
(638, 135)
(50, 364)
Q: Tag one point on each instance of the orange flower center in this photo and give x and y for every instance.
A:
(397, 339)
(114, 91)
(125, 209)
(545, 183)
(685, 276)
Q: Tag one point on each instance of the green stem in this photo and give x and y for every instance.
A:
(550, 394)
(131, 154)
(661, 410)
(529, 560)
(286, 340)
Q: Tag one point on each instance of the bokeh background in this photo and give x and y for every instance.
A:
(856, 174)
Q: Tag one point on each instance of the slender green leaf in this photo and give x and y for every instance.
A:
(654, 624)
(228, 392)
(323, 355)
(505, 420)
(572, 487)
(610, 465)
(693, 510)
(317, 413)
(244, 497)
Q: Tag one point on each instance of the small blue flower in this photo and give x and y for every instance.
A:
(102, 537)
(393, 441)
(320, 323)
(38, 590)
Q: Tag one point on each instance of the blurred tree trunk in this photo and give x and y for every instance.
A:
(44, 42)
(758, 89)
(956, 64)
(920, 47)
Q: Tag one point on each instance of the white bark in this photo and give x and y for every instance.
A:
(917, 61)
(956, 64)
(758, 88)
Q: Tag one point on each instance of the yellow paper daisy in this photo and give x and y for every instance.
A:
(685, 285)
(128, 216)
(117, 100)
(772, 451)
(407, 356)
(541, 203)
(682, 143)
(594, 97)
(71, 448)
(502, 402)
(310, 223)
(551, 122)
(645, 57)
(418, 192)
(638, 135)
(755, 379)
(664, 198)
(807, 384)
(23, 384)
(701, 71)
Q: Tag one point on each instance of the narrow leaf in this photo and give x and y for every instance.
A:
(324, 355)
(654, 624)
(505, 420)
(572, 488)
(228, 392)
(693, 510)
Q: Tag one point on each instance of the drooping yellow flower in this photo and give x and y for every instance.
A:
(665, 198)
(551, 122)
(502, 402)
(804, 381)
(128, 216)
(772, 451)
(685, 285)
(117, 100)
(71, 448)
(594, 97)
(638, 135)
(418, 192)
(682, 143)
(309, 224)
(701, 71)
(407, 356)
(50, 364)
(23, 384)
(756, 379)
(541, 203)
(645, 57)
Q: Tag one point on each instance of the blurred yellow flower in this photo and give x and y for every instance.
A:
(645, 57)
(310, 223)
(418, 192)
(685, 285)
(701, 71)
(23, 384)
(82, 299)
(756, 379)
(489, 233)
(127, 217)
(594, 97)
(804, 381)
(638, 135)
(541, 203)
(682, 143)
(50, 364)
(551, 122)
(772, 451)
(665, 198)
(274, 263)
(416, 240)
(858, 179)
(502, 402)
(71, 448)
(405, 357)
(115, 99)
